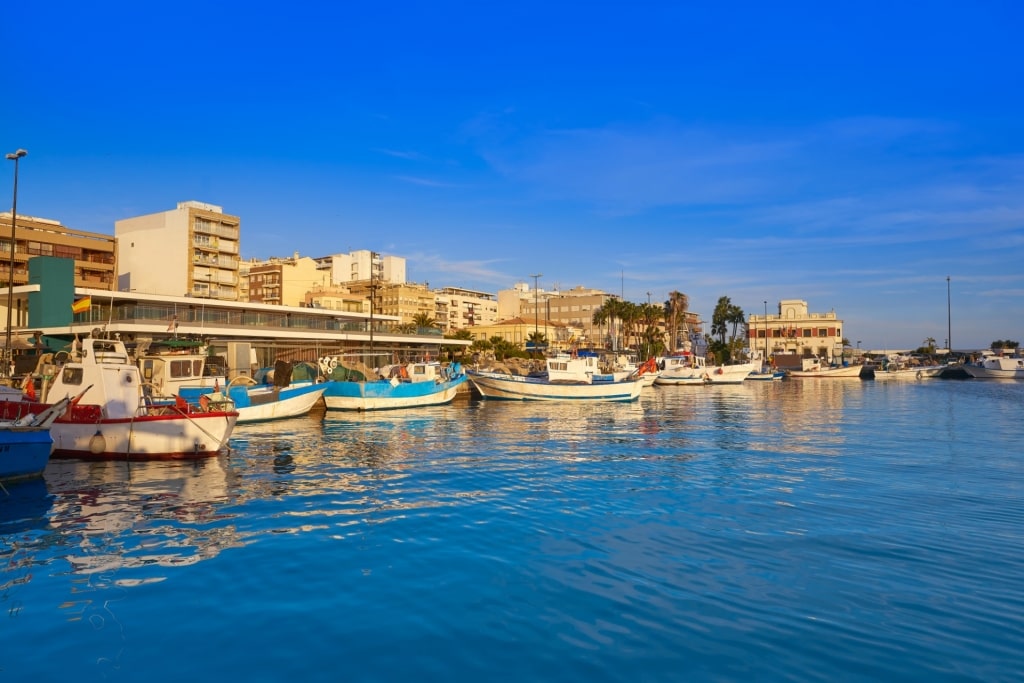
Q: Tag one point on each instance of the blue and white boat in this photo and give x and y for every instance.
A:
(281, 397)
(568, 378)
(408, 385)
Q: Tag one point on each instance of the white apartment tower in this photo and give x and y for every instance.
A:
(361, 265)
(191, 250)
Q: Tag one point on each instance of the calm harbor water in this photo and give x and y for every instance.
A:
(802, 530)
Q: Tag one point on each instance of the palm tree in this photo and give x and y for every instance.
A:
(675, 311)
(651, 315)
(607, 314)
(423, 320)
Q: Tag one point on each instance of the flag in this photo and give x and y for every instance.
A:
(173, 325)
(82, 305)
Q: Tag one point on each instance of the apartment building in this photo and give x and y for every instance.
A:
(94, 256)
(191, 250)
(362, 264)
(282, 281)
(458, 308)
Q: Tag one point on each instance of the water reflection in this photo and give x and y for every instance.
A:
(115, 515)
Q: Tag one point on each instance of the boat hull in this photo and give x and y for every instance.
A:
(263, 403)
(765, 376)
(24, 452)
(389, 394)
(693, 376)
(996, 368)
(910, 373)
(844, 372)
(520, 388)
(150, 437)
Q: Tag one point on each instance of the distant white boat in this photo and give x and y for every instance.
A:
(904, 367)
(567, 378)
(766, 374)
(691, 369)
(995, 366)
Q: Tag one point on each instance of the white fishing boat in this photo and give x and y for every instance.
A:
(568, 377)
(828, 372)
(354, 386)
(996, 366)
(691, 369)
(904, 367)
(112, 417)
(171, 365)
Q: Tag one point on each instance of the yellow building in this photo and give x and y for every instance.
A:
(559, 337)
(282, 281)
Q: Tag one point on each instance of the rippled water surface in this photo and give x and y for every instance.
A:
(802, 530)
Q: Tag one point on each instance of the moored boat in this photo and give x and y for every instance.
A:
(568, 377)
(391, 387)
(25, 441)
(112, 417)
(255, 402)
(691, 369)
(765, 374)
(996, 366)
(826, 372)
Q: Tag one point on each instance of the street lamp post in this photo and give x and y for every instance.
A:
(8, 355)
(536, 309)
(949, 324)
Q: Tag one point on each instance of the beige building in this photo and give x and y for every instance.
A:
(282, 281)
(194, 246)
(337, 298)
(458, 308)
(573, 308)
(404, 301)
(795, 330)
(518, 331)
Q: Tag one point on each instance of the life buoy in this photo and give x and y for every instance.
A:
(332, 363)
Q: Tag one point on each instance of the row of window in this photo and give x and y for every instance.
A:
(792, 332)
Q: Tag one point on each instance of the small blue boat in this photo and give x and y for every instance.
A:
(25, 442)
(24, 451)
(412, 385)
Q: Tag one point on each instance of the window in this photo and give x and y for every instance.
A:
(72, 375)
(181, 368)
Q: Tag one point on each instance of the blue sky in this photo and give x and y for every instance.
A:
(853, 155)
